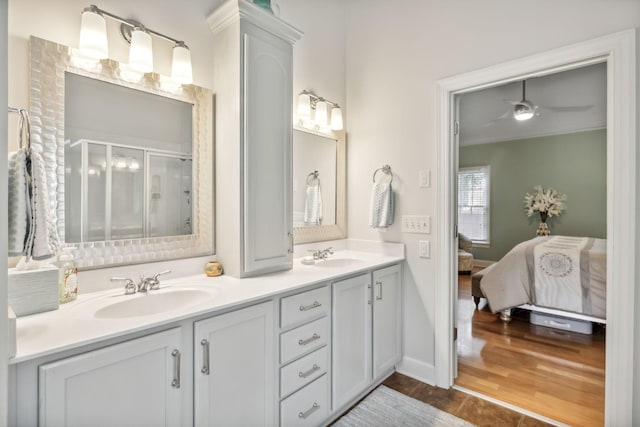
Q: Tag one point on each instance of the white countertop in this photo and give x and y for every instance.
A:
(76, 323)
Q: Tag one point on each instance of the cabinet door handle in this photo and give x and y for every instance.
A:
(304, 415)
(309, 372)
(309, 340)
(379, 283)
(205, 357)
(315, 304)
(176, 369)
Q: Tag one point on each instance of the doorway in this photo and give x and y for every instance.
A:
(618, 52)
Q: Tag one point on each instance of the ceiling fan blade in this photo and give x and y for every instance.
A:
(506, 115)
(569, 108)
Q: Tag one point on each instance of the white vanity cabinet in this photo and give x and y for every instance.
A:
(235, 366)
(366, 331)
(134, 383)
(253, 66)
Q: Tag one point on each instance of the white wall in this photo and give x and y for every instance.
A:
(395, 52)
(3, 213)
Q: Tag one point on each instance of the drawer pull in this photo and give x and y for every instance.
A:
(315, 304)
(379, 296)
(309, 340)
(309, 372)
(304, 415)
(205, 357)
(176, 369)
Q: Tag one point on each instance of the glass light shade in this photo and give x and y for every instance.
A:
(304, 106)
(93, 36)
(336, 118)
(181, 70)
(321, 114)
(522, 114)
(141, 53)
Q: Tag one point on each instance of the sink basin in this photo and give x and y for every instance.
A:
(154, 302)
(338, 262)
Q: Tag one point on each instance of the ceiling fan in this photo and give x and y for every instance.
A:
(525, 109)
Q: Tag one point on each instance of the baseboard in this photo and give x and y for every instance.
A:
(417, 369)
(482, 263)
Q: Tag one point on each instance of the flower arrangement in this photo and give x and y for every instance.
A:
(546, 202)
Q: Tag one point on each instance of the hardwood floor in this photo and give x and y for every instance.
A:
(550, 372)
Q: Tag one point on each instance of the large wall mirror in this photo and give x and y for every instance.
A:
(319, 187)
(128, 157)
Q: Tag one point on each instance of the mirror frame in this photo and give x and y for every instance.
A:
(338, 230)
(49, 61)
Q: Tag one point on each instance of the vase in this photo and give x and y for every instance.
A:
(543, 228)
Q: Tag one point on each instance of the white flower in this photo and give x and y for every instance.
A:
(544, 201)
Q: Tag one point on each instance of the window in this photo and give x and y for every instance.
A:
(473, 203)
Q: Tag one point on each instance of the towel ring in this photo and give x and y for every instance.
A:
(313, 175)
(22, 130)
(386, 169)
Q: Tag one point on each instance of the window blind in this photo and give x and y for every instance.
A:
(473, 202)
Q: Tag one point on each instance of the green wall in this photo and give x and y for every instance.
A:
(573, 164)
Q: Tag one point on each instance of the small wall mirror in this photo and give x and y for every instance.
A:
(129, 158)
(319, 202)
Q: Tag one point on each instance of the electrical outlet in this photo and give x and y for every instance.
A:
(424, 248)
(420, 224)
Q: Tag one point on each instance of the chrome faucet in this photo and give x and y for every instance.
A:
(319, 254)
(145, 283)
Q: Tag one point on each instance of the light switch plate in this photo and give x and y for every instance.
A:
(424, 248)
(420, 224)
(424, 178)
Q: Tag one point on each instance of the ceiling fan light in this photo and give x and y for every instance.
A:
(522, 112)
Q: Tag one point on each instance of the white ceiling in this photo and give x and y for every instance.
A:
(486, 115)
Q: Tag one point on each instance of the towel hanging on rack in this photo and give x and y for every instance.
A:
(382, 200)
(313, 200)
(32, 230)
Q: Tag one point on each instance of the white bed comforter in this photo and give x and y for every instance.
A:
(560, 272)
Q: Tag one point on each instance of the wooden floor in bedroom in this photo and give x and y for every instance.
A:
(550, 372)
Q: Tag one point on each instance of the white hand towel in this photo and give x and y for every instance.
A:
(42, 241)
(19, 203)
(381, 212)
(313, 205)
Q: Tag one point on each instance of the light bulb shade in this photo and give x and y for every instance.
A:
(321, 114)
(304, 106)
(93, 35)
(181, 70)
(523, 111)
(336, 118)
(141, 53)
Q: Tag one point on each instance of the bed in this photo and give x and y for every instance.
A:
(562, 275)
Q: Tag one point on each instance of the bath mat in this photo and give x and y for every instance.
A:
(385, 407)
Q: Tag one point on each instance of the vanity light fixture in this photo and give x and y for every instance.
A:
(93, 44)
(308, 101)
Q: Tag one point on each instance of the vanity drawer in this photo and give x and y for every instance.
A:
(307, 407)
(304, 306)
(303, 371)
(304, 339)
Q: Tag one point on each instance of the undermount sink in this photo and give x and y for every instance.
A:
(154, 302)
(338, 262)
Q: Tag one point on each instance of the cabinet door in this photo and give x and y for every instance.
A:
(386, 319)
(351, 338)
(267, 152)
(235, 368)
(127, 384)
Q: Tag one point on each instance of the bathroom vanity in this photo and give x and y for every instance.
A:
(290, 348)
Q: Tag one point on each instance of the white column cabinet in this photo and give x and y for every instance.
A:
(351, 338)
(234, 364)
(366, 331)
(135, 383)
(253, 67)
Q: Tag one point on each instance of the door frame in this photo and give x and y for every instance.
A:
(618, 52)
